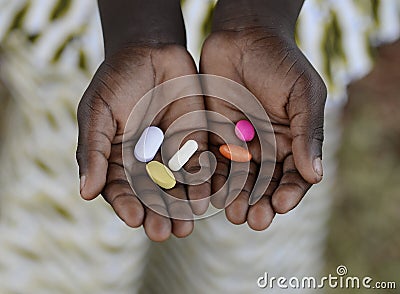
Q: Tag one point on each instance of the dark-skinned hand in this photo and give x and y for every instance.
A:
(268, 63)
(122, 79)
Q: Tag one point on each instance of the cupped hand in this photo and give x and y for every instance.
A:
(271, 66)
(121, 80)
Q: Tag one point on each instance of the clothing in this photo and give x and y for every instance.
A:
(54, 242)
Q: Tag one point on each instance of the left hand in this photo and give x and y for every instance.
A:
(269, 64)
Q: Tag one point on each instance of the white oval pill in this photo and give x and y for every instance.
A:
(183, 155)
(148, 144)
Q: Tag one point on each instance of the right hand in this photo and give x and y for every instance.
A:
(122, 79)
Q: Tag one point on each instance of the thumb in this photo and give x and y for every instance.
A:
(306, 114)
(96, 132)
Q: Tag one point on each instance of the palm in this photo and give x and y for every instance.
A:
(121, 81)
(276, 72)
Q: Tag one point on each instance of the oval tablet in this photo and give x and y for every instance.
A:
(148, 144)
(244, 130)
(179, 159)
(235, 153)
(160, 174)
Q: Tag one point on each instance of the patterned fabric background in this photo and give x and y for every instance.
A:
(337, 35)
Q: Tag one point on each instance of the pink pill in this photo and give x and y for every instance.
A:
(244, 130)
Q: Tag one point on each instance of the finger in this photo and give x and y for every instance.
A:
(199, 194)
(199, 197)
(306, 114)
(291, 189)
(177, 207)
(96, 132)
(273, 182)
(157, 224)
(269, 170)
(185, 120)
(180, 212)
(219, 190)
(119, 194)
(241, 182)
(196, 172)
(261, 214)
(221, 131)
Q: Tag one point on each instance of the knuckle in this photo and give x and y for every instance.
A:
(118, 198)
(310, 88)
(318, 134)
(80, 153)
(319, 89)
(216, 40)
(82, 109)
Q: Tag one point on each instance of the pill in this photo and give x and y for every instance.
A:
(148, 144)
(235, 153)
(160, 174)
(179, 159)
(244, 130)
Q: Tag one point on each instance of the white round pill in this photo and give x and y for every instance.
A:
(148, 144)
(183, 155)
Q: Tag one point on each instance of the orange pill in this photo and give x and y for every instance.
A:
(235, 153)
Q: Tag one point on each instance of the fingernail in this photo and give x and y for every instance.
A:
(83, 182)
(317, 164)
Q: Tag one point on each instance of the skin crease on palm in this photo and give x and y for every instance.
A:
(292, 93)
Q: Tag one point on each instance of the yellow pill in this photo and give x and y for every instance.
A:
(161, 175)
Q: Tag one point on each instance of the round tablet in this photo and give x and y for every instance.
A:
(235, 153)
(148, 144)
(244, 130)
(179, 159)
(160, 174)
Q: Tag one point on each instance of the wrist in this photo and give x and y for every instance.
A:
(238, 15)
(127, 22)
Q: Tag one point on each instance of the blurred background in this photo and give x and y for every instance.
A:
(365, 220)
(53, 242)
